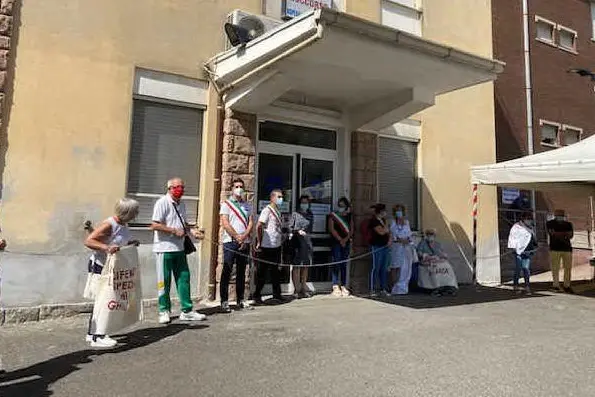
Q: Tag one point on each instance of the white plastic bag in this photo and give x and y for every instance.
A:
(118, 303)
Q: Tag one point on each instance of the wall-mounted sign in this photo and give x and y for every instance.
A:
(293, 8)
(509, 195)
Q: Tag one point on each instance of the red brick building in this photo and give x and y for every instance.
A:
(539, 105)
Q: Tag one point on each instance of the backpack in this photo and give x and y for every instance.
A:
(366, 230)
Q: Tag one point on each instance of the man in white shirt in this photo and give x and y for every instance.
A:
(236, 219)
(269, 238)
(170, 227)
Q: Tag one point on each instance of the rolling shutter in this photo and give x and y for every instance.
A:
(397, 175)
(165, 143)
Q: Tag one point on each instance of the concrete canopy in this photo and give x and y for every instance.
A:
(371, 74)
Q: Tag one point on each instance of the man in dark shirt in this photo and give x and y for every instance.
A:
(561, 232)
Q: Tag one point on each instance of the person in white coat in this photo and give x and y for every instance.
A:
(522, 240)
(401, 251)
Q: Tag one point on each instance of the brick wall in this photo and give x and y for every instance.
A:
(6, 30)
(363, 187)
(239, 158)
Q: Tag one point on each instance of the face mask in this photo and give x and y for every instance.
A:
(279, 201)
(431, 238)
(342, 208)
(529, 222)
(383, 214)
(560, 218)
(304, 207)
(238, 192)
(177, 192)
(399, 214)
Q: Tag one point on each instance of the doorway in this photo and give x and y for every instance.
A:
(298, 169)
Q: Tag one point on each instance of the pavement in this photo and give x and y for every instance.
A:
(484, 342)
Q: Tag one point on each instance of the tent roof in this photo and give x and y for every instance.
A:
(570, 164)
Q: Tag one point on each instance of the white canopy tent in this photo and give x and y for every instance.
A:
(569, 165)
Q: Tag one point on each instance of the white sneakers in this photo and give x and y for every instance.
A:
(340, 291)
(101, 341)
(192, 316)
(164, 317)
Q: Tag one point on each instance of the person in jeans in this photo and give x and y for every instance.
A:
(269, 239)
(561, 232)
(170, 227)
(522, 240)
(300, 227)
(236, 219)
(341, 228)
(379, 241)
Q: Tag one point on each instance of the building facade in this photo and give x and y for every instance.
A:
(110, 99)
(539, 105)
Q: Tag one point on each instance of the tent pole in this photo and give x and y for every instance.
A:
(592, 226)
(475, 199)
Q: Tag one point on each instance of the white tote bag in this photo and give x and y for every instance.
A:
(118, 303)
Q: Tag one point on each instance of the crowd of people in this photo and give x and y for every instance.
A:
(399, 259)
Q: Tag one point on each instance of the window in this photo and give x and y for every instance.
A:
(593, 19)
(297, 135)
(545, 30)
(397, 175)
(402, 15)
(571, 135)
(550, 133)
(566, 38)
(165, 142)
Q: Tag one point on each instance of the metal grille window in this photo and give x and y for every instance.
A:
(165, 143)
(397, 175)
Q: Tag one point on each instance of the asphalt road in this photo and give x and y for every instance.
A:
(487, 343)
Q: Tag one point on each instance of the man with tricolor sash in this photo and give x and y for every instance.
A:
(237, 223)
(269, 239)
(340, 226)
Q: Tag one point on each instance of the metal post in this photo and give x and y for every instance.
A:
(475, 206)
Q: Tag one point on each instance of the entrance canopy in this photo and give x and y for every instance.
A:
(370, 74)
(570, 164)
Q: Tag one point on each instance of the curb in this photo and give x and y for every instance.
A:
(20, 315)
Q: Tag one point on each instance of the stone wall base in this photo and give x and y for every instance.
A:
(19, 315)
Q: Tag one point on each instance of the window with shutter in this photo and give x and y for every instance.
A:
(397, 175)
(165, 143)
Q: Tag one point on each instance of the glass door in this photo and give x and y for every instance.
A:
(316, 181)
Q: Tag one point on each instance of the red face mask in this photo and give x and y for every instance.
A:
(177, 192)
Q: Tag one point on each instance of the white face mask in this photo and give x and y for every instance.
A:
(304, 207)
(238, 192)
(383, 214)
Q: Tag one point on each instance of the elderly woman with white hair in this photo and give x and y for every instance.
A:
(435, 274)
(107, 238)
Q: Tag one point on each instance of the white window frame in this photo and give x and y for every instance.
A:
(568, 128)
(171, 89)
(573, 49)
(554, 124)
(403, 5)
(554, 27)
(592, 4)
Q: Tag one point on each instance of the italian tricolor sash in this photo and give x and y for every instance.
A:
(238, 211)
(276, 214)
(341, 222)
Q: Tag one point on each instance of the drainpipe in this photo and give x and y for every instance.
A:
(528, 89)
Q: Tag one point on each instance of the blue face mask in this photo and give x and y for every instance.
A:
(279, 201)
(399, 214)
(304, 207)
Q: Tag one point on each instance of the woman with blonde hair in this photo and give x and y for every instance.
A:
(401, 251)
(107, 238)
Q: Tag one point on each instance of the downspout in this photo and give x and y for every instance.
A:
(215, 231)
(528, 89)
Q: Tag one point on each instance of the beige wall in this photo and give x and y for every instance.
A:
(459, 132)
(69, 126)
(367, 9)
